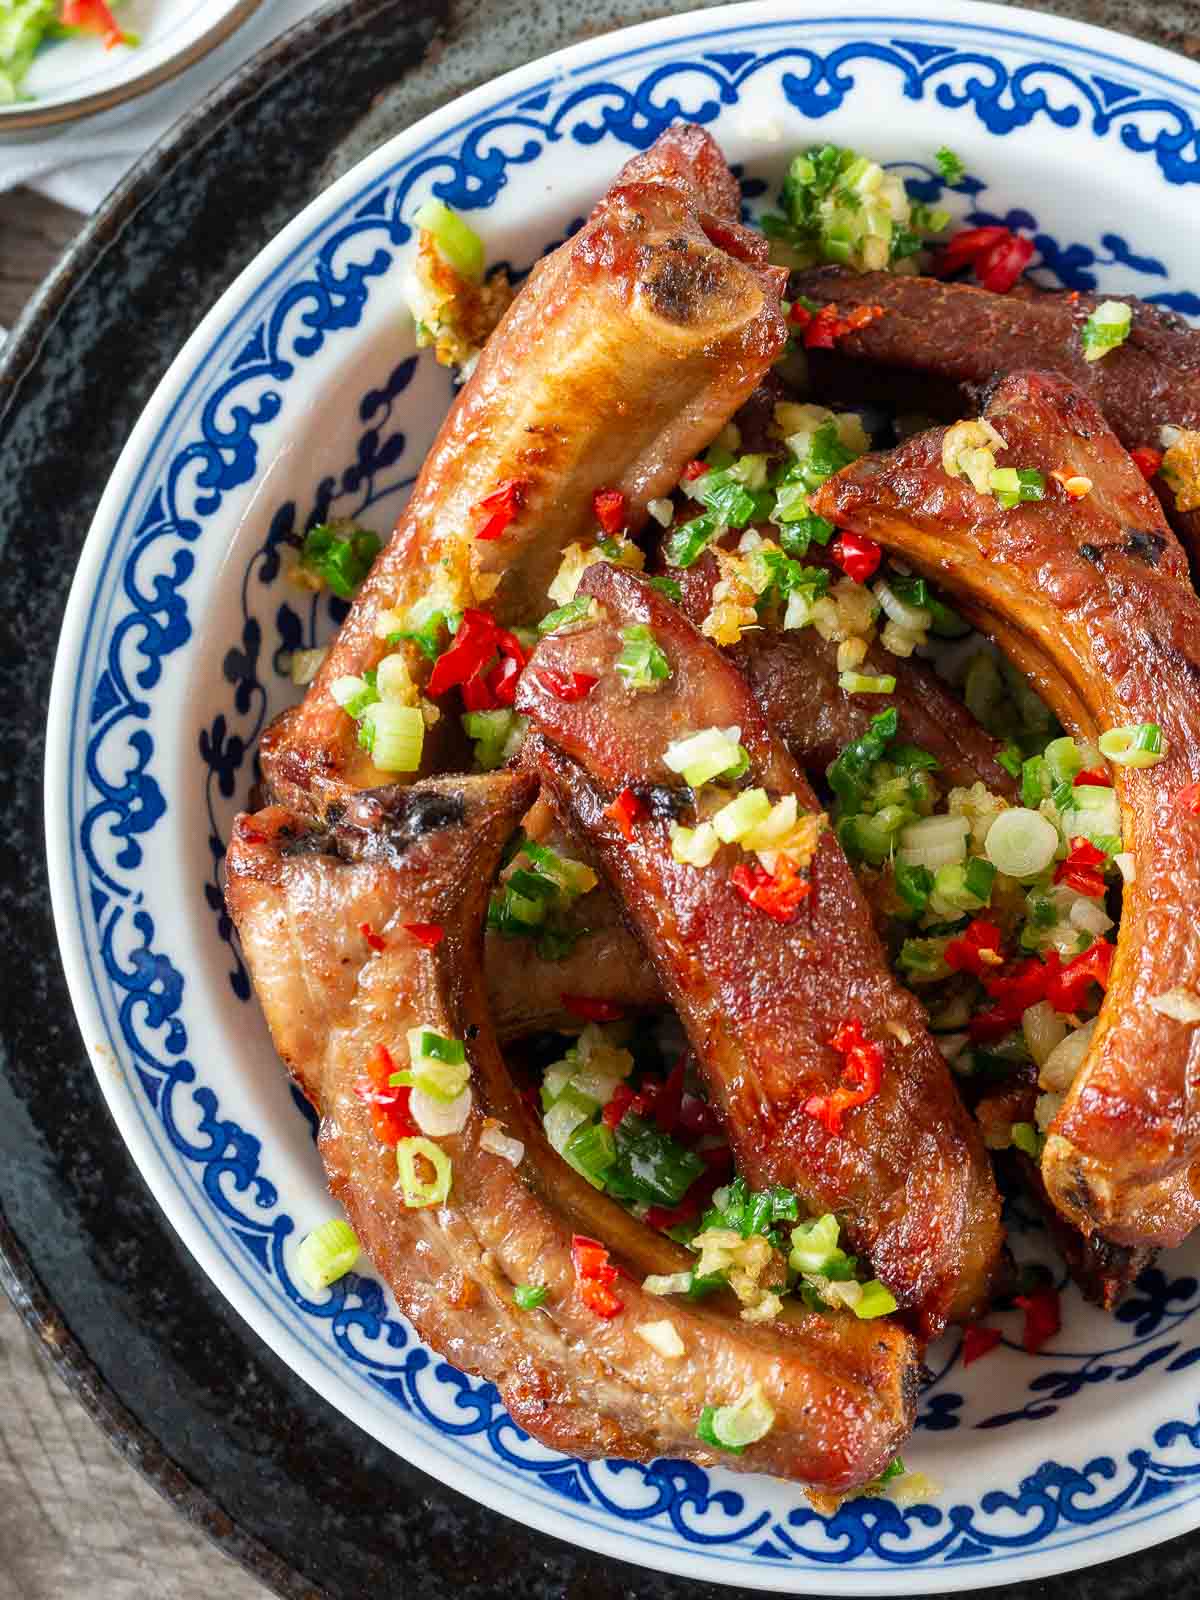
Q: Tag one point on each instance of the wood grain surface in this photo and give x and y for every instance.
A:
(75, 1519)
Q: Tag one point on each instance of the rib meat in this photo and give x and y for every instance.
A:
(1091, 598)
(623, 355)
(842, 1391)
(762, 1001)
(964, 333)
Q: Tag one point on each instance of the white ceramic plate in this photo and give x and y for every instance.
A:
(301, 394)
(77, 77)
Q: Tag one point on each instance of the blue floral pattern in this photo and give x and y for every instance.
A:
(627, 104)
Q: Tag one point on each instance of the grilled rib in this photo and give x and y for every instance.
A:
(842, 1391)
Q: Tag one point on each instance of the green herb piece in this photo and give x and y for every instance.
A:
(952, 170)
(642, 663)
(340, 555)
(529, 1296)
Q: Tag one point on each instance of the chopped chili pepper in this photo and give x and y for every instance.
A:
(473, 647)
(1014, 993)
(964, 247)
(996, 254)
(568, 686)
(1083, 869)
(1093, 777)
(625, 810)
(1147, 460)
(611, 509)
(976, 949)
(668, 1102)
(695, 469)
(502, 505)
(372, 938)
(978, 1342)
(1067, 990)
(857, 555)
(591, 1008)
(824, 327)
(1043, 1318)
(94, 16)
(778, 895)
(862, 1074)
(1187, 800)
(621, 1102)
(388, 1102)
(696, 1118)
(593, 1275)
(251, 835)
(427, 933)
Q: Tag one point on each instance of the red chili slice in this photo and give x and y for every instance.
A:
(593, 1274)
(778, 896)
(625, 810)
(1014, 993)
(94, 16)
(999, 267)
(1187, 800)
(1083, 869)
(1067, 990)
(857, 555)
(977, 948)
(428, 934)
(372, 938)
(614, 1111)
(568, 686)
(965, 247)
(473, 647)
(611, 509)
(1093, 777)
(695, 469)
(1147, 460)
(502, 505)
(978, 1342)
(862, 1075)
(1043, 1318)
(387, 1102)
(591, 1008)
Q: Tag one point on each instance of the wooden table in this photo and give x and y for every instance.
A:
(75, 1519)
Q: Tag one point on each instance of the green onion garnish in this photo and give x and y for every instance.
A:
(862, 683)
(327, 1253)
(577, 610)
(952, 170)
(668, 587)
(529, 1296)
(641, 663)
(1140, 745)
(461, 245)
(340, 555)
(416, 1190)
(1106, 328)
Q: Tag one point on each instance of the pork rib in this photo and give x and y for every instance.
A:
(961, 332)
(622, 356)
(1091, 598)
(842, 1391)
(761, 1001)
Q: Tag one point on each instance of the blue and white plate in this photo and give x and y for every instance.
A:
(300, 396)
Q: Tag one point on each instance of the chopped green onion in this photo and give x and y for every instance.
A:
(1027, 1139)
(591, 1150)
(861, 683)
(849, 774)
(327, 1253)
(1136, 746)
(875, 1301)
(713, 753)
(394, 735)
(924, 960)
(694, 847)
(1010, 759)
(815, 1244)
(1106, 328)
(690, 540)
(914, 885)
(353, 694)
(733, 1428)
(934, 842)
(1021, 843)
(415, 1190)
(529, 1296)
(952, 170)
(497, 736)
(668, 587)
(963, 886)
(641, 663)
(340, 554)
(745, 812)
(578, 610)
(650, 1166)
(1095, 813)
(461, 245)
(437, 1065)
(1013, 485)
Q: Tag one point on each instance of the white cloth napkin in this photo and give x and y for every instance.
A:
(80, 162)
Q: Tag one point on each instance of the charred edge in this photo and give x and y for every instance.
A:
(665, 804)
(1147, 547)
(380, 823)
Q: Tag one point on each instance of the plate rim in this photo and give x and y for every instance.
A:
(55, 112)
(155, 1170)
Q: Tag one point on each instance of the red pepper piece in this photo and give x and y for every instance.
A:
(821, 331)
(978, 1342)
(373, 939)
(999, 267)
(857, 555)
(388, 1102)
(593, 1274)
(1068, 989)
(977, 948)
(502, 505)
(621, 1102)
(1147, 460)
(568, 686)
(696, 1118)
(1187, 801)
(428, 934)
(965, 247)
(611, 509)
(669, 1101)
(777, 896)
(862, 1075)
(598, 1297)
(1043, 1318)
(1083, 869)
(625, 810)
(94, 16)
(695, 469)
(1093, 777)
(473, 647)
(1014, 993)
(591, 1008)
